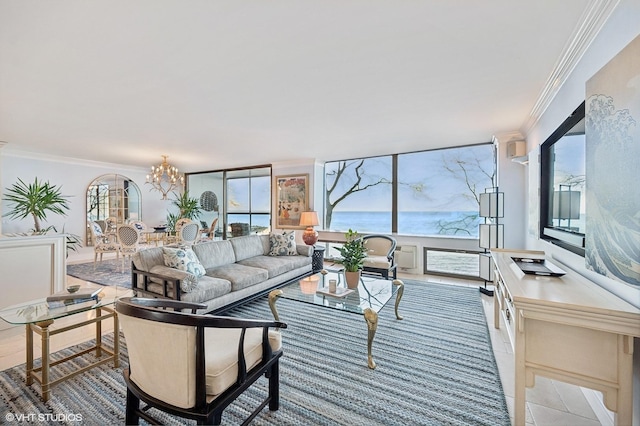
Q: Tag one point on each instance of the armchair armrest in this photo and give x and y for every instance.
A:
(304, 250)
(176, 305)
(146, 280)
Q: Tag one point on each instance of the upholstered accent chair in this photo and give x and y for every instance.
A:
(380, 255)
(102, 243)
(129, 241)
(191, 365)
(189, 233)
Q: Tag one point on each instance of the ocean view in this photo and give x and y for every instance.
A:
(409, 223)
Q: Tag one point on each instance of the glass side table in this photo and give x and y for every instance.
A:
(38, 318)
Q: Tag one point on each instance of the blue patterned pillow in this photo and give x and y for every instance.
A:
(283, 244)
(183, 259)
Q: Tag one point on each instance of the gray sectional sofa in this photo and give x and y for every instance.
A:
(237, 269)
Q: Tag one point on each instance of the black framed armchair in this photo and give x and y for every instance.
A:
(191, 365)
(380, 255)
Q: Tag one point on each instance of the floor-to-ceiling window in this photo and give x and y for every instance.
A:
(248, 201)
(420, 193)
(426, 193)
(237, 201)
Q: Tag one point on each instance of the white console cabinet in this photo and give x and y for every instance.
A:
(568, 329)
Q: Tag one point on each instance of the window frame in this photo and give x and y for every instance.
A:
(571, 241)
(394, 183)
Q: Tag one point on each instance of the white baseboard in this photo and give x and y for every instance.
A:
(594, 398)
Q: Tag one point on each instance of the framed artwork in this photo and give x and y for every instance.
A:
(292, 193)
(612, 241)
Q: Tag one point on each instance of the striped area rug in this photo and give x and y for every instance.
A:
(435, 367)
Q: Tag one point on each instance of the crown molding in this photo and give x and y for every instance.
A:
(587, 28)
(17, 153)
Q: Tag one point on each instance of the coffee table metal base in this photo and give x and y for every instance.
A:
(370, 316)
(41, 374)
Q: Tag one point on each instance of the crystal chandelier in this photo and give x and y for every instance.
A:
(165, 177)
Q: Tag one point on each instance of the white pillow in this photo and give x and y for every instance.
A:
(283, 244)
(183, 259)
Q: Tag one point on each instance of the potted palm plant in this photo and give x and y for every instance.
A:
(37, 200)
(189, 208)
(353, 253)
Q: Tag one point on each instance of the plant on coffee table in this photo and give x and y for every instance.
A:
(353, 253)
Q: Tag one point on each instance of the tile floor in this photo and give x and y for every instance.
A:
(548, 403)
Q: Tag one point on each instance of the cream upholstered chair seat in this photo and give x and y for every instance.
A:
(198, 356)
(380, 255)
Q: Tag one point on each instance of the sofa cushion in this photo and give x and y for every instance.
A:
(249, 246)
(214, 253)
(277, 265)
(148, 258)
(184, 259)
(283, 244)
(207, 288)
(240, 276)
(188, 281)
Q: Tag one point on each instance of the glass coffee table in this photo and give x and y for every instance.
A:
(368, 299)
(38, 318)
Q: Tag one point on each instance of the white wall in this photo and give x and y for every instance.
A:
(74, 176)
(622, 27)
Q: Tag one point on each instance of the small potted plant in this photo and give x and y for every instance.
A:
(353, 253)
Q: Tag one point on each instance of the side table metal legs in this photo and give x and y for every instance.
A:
(41, 374)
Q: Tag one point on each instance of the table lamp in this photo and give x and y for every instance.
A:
(309, 219)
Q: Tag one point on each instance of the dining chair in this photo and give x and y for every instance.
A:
(129, 241)
(142, 228)
(102, 243)
(189, 233)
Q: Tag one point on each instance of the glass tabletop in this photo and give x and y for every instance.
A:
(39, 310)
(371, 293)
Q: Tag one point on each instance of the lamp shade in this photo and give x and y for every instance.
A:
(309, 219)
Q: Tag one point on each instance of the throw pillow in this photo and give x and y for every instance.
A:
(189, 283)
(283, 244)
(183, 259)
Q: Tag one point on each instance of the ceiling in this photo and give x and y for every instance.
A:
(219, 84)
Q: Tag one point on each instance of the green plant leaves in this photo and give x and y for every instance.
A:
(35, 199)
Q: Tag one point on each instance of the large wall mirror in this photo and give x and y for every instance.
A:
(113, 196)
